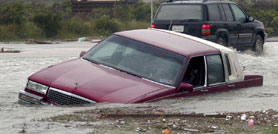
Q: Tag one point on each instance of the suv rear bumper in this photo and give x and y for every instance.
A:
(209, 38)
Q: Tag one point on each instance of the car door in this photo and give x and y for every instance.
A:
(245, 32)
(230, 24)
(212, 78)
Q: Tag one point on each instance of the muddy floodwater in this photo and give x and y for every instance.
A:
(16, 67)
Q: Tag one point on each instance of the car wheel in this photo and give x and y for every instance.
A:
(258, 45)
(221, 41)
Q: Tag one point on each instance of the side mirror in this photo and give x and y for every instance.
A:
(82, 53)
(185, 87)
(251, 19)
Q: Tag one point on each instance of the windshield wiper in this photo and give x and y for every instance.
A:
(89, 60)
(128, 73)
(114, 68)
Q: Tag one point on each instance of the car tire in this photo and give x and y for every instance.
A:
(258, 45)
(221, 41)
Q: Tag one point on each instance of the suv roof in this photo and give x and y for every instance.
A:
(197, 1)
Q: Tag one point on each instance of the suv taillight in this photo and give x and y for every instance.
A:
(152, 26)
(205, 29)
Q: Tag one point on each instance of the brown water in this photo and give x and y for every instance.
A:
(16, 67)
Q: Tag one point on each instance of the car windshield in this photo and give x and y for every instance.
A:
(138, 59)
(179, 12)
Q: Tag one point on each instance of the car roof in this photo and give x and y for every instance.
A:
(176, 42)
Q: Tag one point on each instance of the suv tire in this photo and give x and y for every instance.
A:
(220, 40)
(258, 45)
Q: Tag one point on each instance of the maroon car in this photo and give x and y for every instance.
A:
(139, 66)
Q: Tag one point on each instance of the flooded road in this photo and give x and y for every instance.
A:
(16, 67)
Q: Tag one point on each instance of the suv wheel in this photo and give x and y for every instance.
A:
(221, 41)
(258, 45)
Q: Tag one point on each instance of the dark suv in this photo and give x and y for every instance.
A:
(220, 21)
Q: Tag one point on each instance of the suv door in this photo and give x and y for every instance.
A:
(230, 25)
(245, 28)
(215, 19)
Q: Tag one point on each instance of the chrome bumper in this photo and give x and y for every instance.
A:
(29, 98)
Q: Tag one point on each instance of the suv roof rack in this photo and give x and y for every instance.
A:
(197, 0)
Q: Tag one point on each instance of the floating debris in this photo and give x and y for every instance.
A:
(82, 39)
(2, 50)
(31, 41)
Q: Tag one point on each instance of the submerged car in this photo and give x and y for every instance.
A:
(139, 66)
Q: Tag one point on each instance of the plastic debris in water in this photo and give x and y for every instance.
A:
(82, 39)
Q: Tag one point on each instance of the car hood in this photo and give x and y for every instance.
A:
(95, 82)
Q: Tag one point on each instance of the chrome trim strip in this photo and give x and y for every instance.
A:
(246, 35)
(21, 101)
(30, 95)
(158, 83)
(71, 94)
(206, 72)
(107, 67)
(219, 83)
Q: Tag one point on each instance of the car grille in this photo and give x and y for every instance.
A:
(60, 97)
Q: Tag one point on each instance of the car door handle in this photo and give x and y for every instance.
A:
(231, 86)
(204, 90)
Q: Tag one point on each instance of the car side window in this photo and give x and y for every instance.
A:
(213, 12)
(228, 12)
(195, 73)
(215, 69)
(239, 15)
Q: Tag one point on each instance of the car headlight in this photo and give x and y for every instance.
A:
(37, 87)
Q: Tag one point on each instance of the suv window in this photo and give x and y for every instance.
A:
(228, 12)
(239, 15)
(213, 12)
(215, 69)
(179, 12)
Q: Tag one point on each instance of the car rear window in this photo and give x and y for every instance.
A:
(180, 12)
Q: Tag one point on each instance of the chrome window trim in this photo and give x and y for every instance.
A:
(219, 83)
(71, 94)
(206, 72)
